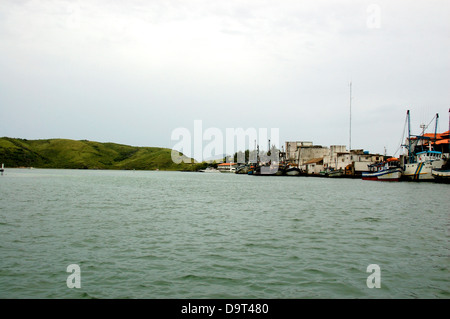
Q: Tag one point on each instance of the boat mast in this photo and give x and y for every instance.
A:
(350, 132)
(435, 129)
(409, 137)
(257, 154)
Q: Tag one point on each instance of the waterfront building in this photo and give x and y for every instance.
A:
(357, 161)
(299, 153)
(292, 150)
(313, 167)
(313, 159)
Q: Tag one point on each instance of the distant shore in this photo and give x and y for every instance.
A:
(84, 154)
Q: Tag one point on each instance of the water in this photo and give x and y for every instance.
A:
(142, 234)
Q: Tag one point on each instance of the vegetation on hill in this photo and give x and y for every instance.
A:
(65, 153)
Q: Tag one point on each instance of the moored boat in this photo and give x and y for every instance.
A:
(441, 175)
(209, 169)
(422, 156)
(243, 169)
(424, 163)
(331, 172)
(336, 173)
(389, 170)
(269, 170)
(293, 171)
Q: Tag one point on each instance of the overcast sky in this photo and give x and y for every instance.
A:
(133, 71)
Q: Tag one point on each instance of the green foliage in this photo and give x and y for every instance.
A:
(64, 153)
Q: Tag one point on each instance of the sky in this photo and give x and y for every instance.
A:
(132, 72)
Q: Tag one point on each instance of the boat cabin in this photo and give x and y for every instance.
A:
(428, 156)
(392, 162)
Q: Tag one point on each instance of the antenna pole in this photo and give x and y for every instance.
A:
(409, 137)
(350, 132)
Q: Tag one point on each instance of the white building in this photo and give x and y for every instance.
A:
(356, 160)
(313, 166)
(315, 158)
(299, 153)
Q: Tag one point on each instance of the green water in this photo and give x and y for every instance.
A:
(138, 234)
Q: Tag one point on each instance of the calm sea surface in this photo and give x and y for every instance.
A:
(142, 234)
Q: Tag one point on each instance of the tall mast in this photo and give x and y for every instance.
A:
(409, 136)
(350, 133)
(435, 129)
(256, 155)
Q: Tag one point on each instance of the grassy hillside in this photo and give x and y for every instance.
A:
(64, 153)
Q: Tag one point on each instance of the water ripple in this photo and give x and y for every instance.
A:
(187, 235)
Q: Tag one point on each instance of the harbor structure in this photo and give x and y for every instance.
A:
(357, 161)
(337, 158)
(300, 152)
(293, 148)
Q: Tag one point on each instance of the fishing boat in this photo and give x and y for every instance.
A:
(442, 175)
(269, 170)
(335, 173)
(270, 165)
(331, 172)
(242, 169)
(421, 158)
(422, 166)
(389, 170)
(293, 171)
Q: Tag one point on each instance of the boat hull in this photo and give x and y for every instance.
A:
(422, 170)
(334, 174)
(441, 176)
(390, 175)
(293, 172)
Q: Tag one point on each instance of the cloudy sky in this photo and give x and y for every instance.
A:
(132, 72)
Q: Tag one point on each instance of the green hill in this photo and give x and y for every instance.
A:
(64, 153)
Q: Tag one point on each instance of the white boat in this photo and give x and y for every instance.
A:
(424, 163)
(209, 170)
(389, 170)
(227, 167)
(293, 171)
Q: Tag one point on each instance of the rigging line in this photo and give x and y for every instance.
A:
(403, 136)
(426, 127)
